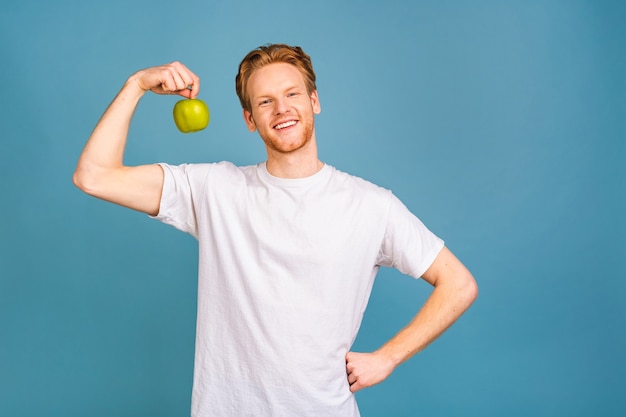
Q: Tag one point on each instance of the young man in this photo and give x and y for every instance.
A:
(288, 248)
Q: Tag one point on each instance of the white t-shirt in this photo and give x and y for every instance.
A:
(286, 267)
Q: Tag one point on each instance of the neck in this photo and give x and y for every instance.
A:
(288, 166)
(299, 163)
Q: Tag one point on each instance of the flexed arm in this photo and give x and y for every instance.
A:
(100, 171)
(454, 291)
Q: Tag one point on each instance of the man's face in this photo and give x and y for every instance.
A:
(282, 110)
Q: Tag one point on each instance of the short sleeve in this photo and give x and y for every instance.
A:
(408, 245)
(181, 186)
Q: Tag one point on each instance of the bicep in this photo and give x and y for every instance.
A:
(138, 187)
(446, 268)
(455, 286)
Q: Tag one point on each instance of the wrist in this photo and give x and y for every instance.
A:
(392, 355)
(133, 87)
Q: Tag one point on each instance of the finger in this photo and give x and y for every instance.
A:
(168, 82)
(351, 380)
(191, 91)
(195, 87)
(355, 387)
(193, 84)
(179, 83)
(187, 83)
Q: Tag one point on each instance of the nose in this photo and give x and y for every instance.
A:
(281, 106)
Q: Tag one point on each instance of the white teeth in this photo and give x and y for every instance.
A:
(284, 125)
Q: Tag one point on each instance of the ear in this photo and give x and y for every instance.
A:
(247, 117)
(315, 103)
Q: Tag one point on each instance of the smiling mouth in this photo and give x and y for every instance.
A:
(285, 125)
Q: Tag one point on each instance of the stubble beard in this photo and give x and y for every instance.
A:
(279, 146)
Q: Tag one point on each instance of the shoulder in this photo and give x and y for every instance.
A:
(358, 184)
(367, 198)
(195, 171)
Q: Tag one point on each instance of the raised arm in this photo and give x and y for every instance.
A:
(100, 171)
(454, 291)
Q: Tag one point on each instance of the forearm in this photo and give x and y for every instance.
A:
(104, 150)
(445, 305)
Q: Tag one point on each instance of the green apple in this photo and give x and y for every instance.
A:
(191, 115)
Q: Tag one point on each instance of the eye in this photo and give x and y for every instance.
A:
(265, 102)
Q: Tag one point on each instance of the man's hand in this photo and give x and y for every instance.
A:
(173, 78)
(367, 369)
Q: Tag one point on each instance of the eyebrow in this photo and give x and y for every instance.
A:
(293, 87)
(268, 95)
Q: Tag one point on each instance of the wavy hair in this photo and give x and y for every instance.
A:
(270, 54)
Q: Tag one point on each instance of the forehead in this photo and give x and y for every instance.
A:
(274, 78)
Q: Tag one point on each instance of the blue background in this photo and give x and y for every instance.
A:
(500, 124)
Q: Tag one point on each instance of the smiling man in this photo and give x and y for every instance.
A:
(288, 248)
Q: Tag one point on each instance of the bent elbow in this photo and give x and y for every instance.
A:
(79, 179)
(84, 181)
(470, 289)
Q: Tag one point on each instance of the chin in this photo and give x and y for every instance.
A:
(287, 146)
